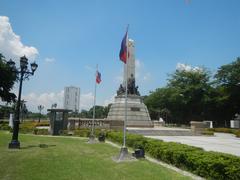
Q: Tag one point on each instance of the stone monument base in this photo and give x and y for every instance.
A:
(137, 112)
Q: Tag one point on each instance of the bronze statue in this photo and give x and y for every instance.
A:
(132, 88)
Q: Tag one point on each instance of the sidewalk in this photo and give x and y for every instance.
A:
(220, 142)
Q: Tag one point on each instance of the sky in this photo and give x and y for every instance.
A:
(68, 38)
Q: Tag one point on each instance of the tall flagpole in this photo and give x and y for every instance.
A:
(94, 104)
(126, 93)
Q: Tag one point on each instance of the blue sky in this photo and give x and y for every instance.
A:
(72, 36)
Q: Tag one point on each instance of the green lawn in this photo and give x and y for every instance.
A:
(71, 158)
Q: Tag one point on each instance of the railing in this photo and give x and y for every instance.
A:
(86, 123)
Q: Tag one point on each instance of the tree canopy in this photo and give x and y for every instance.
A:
(7, 80)
(195, 95)
(100, 112)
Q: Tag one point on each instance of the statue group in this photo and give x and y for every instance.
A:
(132, 89)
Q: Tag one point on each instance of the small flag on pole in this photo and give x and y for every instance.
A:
(123, 50)
(98, 77)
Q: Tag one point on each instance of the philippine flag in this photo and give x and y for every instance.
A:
(123, 50)
(98, 77)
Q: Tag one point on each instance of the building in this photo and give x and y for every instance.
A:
(71, 98)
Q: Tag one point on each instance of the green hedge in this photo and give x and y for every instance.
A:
(4, 126)
(27, 127)
(211, 165)
(82, 132)
(40, 131)
(208, 133)
(226, 130)
(237, 134)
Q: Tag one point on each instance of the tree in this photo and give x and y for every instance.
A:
(185, 96)
(84, 113)
(7, 79)
(100, 112)
(228, 86)
(5, 111)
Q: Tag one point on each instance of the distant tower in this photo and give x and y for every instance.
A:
(71, 98)
(130, 62)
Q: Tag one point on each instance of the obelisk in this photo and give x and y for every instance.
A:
(130, 62)
(137, 112)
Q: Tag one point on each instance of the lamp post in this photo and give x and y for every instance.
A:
(24, 73)
(40, 108)
(23, 109)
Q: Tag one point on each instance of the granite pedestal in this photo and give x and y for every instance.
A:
(137, 112)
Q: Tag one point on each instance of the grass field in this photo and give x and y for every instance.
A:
(71, 158)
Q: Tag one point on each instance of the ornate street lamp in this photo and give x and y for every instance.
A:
(24, 73)
(40, 108)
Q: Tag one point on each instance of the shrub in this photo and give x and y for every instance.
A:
(85, 132)
(211, 165)
(226, 130)
(238, 133)
(208, 133)
(82, 132)
(46, 123)
(27, 127)
(4, 126)
(40, 131)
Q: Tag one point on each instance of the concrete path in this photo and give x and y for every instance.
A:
(220, 142)
(161, 131)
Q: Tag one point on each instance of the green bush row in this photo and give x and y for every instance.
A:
(43, 123)
(208, 133)
(211, 165)
(82, 132)
(4, 126)
(226, 130)
(40, 131)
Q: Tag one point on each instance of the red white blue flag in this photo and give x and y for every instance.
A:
(98, 77)
(123, 50)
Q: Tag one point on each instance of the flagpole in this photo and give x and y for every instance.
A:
(126, 93)
(94, 104)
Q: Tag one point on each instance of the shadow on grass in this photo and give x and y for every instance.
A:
(38, 146)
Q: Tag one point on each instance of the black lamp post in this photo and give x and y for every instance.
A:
(40, 108)
(24, 74)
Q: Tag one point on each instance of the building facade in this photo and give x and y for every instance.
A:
(72, 98)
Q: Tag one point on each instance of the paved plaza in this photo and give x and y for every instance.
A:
(220, 142)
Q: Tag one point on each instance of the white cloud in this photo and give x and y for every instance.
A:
(110, 100)
(119, 79)
(10, 43)
(141, 74)
(49, 60)
(89, 68)
(138, 66)
(147, 76)
(45, 99)
(86, 101)
(188, 68)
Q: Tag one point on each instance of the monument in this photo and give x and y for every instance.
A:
(137, 112)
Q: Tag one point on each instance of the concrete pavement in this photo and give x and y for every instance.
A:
(220, 142)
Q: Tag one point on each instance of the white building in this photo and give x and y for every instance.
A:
(71, 98)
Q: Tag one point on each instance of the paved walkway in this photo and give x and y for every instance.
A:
(161, 131)
(220, 142)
